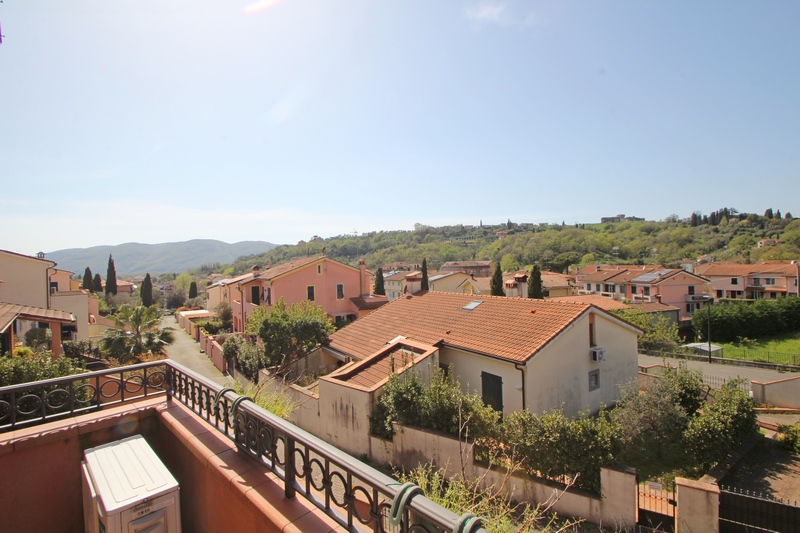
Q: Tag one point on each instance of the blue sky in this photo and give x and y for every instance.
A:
(167, 120)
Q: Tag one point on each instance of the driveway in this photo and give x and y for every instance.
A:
(721, 371)
(186, 352)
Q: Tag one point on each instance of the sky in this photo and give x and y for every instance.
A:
(167, 120)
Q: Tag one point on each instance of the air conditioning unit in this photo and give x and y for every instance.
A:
(127, 489)
(598, 354)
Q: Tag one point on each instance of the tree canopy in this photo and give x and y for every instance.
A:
(496, 283)
(535, 283)
(87, 283)
(146, 291)
(137, 331)
(111, 277)
(379, 287)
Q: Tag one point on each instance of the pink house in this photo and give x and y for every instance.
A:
(643, 284)
(343, 291)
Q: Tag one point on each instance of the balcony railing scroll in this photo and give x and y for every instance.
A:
(355, 495)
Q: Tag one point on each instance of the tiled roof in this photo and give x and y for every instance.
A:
(10, 312)
(451, 265)
(738, 269)
(376, 369)
(553, 280)
(513, 329)
(283, 268)
(653, 307)
(595, 299)
(372, 301)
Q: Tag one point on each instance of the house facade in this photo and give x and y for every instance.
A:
(763, 280)
(336, 287)
(515, 353)
(30, 294)
(646, 284)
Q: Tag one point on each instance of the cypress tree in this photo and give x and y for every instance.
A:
(111, 277)
(425, 286)
(693, 220)
(535, 284)
(778, 214)
(496, 284)
(87, 280)
(147, 291)
(378, 288)
(97, 283)
(193, 290)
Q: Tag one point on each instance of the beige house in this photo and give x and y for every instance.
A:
(516, 353)
(447, 281)
(30, 293)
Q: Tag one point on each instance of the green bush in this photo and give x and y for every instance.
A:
(789, 437)
(81, 348)
(246, 356)
(722, 425)
(16, 370)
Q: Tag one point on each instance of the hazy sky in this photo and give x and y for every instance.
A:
(167, 120)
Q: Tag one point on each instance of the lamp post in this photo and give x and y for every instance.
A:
(710, 301)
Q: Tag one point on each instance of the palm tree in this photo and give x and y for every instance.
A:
(136, 332)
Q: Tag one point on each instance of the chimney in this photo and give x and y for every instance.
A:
(364, 287)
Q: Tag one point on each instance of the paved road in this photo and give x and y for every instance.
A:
(187, 352)
(720, 370)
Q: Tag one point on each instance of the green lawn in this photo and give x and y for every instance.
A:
(782, 349)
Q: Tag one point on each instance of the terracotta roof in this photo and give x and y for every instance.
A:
(653, 307)
(372, 301)
(450, 265)
(737, 269)
(283, 268)
(10, 312)
(397, 276)
(595, 299)
(588, 269)
(553, 280)
(375, 370)
(514, 329)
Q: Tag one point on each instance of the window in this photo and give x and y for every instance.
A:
(720, 294)
(757, 282)
(691, 289)
(594, 380)
(339, 291)
(310, 290)
(597, 287)
(591, 331)
(769, 281)
(269, 295)
(734, 281)
(646, 291)
(255, 291)
(588, 286)
(492, 391)
(319, 269)
(633, 289)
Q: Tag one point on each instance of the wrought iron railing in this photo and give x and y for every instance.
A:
(354, 494)
(43, 401)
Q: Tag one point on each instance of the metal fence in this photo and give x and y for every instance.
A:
(717, 382)
(354, 494)
(762, 356)
(743, 511)
(782, 361)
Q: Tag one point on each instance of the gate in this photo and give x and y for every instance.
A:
(743, 511)
(657, 504)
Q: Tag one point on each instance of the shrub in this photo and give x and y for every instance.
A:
(81, 348)
(789, 437)
(722, 425)
(36, 367)
(246, 356)
(38, 339)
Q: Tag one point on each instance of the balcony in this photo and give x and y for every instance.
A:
(698, 297)
(240, 468)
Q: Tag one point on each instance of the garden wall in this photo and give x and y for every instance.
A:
(780, 393)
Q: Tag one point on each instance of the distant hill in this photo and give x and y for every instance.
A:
(135, 258)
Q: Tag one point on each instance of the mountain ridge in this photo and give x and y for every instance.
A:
(134, 258)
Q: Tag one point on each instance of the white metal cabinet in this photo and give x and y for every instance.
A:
(127, 489)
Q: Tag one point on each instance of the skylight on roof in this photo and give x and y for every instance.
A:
(472, 305)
